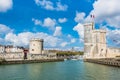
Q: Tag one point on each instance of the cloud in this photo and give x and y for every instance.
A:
(104, 12)
(80, 30)
(5, 5)
(45, 4)
(63, 44)
(79, 17)
(48, 22)
(22, 39)
(62, 20)
(58, 31)
(73, 40)
(48, 5)
(107, 11)
(4, 29)
(36, 21)
(113, 36)
(61, 7)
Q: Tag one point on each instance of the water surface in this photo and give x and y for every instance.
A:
(67, 70)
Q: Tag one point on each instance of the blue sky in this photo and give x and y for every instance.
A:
(58, 22)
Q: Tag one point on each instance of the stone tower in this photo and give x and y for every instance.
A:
(36, 46)
(88, 29)
(94, 42)
(101, 43)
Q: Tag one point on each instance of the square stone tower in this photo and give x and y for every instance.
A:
(94, 42)
(88, 30)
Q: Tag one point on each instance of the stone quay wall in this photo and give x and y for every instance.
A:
(107, 61)
(18, 58)
(29, 61)
(12, 56)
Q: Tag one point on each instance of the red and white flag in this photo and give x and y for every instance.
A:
(92, 16)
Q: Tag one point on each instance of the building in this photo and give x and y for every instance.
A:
(10, 49)
(2, 48)
(95, 43)
(36, 46)
(36, 50)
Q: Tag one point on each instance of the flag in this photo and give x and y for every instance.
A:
(92, 16)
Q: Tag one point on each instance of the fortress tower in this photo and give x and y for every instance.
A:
(88, 29)
(36, 46)
(94, 41)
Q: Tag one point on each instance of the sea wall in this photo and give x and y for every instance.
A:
(11, 56)
(29, 61)
(20, 56)
(107, 61)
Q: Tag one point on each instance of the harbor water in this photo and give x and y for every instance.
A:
(66, 70)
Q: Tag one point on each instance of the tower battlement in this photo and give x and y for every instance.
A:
(37, 39)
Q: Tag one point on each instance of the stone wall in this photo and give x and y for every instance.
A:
(12, 56)
(113, 52)
(20, 56)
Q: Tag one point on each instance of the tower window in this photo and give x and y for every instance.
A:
(32, 49)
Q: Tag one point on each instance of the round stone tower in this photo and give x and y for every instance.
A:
(36, 46)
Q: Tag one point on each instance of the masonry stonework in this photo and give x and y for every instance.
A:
(95, 43)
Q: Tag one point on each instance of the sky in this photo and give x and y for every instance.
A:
(58, 22)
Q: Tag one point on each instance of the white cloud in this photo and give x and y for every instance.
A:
(80, 29)
(62, 20)
(48, 22)
(22, 39)
(58, 31)
(5, 5)
(48, 5)
(61, 7)
(4, 29)
(63, 44)
(73, 40)
(45, 4)
(114, 36)
(79, 17)
(69, 36)
(36, 21)
(108, 11)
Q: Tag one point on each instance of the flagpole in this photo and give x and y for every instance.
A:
(92, 19)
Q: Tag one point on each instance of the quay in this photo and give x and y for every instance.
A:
(106, 61)
(29, 61)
